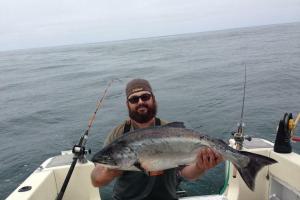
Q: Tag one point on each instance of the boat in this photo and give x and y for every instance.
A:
(279, 181)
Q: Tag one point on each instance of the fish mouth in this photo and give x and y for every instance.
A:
(105, 160)
(109, 166)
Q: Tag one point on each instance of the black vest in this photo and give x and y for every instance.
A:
(133, 185)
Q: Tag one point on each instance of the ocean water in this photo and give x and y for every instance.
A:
(47, 95)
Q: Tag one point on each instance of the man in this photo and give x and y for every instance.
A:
(130, 185)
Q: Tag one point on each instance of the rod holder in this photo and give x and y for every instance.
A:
(283, 137)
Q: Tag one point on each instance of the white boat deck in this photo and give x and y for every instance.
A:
(279, 181)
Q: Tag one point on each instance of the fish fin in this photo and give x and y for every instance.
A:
(175, 124)
(256, 163)
(138, 165)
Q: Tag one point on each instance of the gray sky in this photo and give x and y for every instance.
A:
(37, 23)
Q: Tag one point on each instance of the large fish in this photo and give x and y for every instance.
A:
(172, 145)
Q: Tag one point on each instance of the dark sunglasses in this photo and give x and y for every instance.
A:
(143, 97)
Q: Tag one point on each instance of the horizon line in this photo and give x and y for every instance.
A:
(141, 38)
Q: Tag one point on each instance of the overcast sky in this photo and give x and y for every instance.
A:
(37, 23)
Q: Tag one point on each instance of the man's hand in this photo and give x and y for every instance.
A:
(101, 176)
(206, 159)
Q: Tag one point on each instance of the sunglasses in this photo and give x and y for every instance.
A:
(143, 97)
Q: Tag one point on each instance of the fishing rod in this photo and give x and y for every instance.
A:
(239, 136)
(241, 124)
(79, 150)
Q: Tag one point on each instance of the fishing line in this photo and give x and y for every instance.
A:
(240, 128)
(79, 149)
(98, 105)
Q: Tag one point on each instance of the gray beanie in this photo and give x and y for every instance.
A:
(137, 85)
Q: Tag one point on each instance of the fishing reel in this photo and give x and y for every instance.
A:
(80, 152)
(286, 133)
(239, 136)
(292, 126)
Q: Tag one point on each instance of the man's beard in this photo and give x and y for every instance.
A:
(143, 117)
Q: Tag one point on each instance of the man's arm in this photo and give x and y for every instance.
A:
(102, 176)
(206, 159)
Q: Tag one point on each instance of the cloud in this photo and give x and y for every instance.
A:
(35, 23)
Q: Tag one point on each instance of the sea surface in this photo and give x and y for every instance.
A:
(47, 95)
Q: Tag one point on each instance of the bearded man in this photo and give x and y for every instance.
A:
(160, 185)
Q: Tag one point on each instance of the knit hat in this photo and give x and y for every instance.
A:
(137, 85)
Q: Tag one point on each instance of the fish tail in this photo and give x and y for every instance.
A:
(249, 172)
